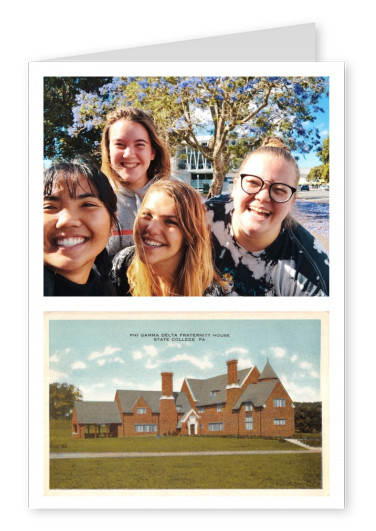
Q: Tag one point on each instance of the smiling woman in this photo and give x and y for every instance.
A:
(172, 253)
(79, 209)
(134, 157)
(259, 248)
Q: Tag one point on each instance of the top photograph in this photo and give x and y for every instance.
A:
(186, 186)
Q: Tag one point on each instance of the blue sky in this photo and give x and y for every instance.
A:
(101, 356)
(310, 160)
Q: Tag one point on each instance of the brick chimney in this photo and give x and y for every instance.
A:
(232, 373)
(232, 388)
(167, 408)
(167, 383)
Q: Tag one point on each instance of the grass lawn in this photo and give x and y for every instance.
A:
(278, 471)
(292, 471)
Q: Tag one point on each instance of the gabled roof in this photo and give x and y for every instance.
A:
(129, 398)
(256, 393)
(201, 388)
(186, 416)
(268, 372)
(97, 412)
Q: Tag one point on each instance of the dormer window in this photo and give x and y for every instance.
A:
(214, 393)
(141, 411)
(248, 406)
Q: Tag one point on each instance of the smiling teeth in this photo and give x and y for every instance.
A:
(260, 211)
(130, 165)
(70, 242)
(153, 244)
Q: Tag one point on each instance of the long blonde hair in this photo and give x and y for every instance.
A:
(159, 168)
(196, 272)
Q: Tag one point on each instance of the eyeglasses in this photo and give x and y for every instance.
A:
(278, 192)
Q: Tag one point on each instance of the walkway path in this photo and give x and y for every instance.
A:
(96, 455)
(300, 443)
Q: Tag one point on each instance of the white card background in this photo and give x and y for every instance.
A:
(40, 30)
(333, 304)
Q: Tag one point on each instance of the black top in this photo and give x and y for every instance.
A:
(59, 286)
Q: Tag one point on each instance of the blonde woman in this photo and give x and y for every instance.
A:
(172, 254)
(259, 248)
(133, 157)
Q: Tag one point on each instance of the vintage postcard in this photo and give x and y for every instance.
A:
(212, 404)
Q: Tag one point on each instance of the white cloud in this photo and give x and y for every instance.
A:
(101, 362)
(92, 393)
(278, 352)
(198, 362)
(57, 376)
(244, 363)
(118, 360)
(315, 374)
(137, 355)
(108, 351)
(150, 350)
(155, 386)
(304, 393)
(305, 365)
(301, 393)
(123, 383)
(78, 365)
(58, 354)
(151, 365)
(236, 350)
(293, 358)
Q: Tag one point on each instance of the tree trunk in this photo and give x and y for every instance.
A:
(220, 167)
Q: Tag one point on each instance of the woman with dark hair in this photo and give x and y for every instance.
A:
(259, 248)
(79, 209)
(172, 255)
(133, 157)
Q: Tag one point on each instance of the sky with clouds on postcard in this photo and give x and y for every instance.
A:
(101, 356)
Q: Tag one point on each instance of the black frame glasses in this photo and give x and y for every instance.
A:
(277, 191)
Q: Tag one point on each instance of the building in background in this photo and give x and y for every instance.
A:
(238, 403)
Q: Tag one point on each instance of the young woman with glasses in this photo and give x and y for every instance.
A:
(259, 248)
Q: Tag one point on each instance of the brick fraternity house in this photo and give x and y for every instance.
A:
(239, 402)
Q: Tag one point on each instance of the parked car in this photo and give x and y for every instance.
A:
(304, 188)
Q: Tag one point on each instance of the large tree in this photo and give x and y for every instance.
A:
(59, 98)
(308, 417)
(62, 398)
(236, 112)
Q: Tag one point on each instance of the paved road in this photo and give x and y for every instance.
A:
(315, 196)
(96, 455)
